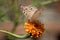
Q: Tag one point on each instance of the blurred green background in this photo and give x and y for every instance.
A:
(9, 11)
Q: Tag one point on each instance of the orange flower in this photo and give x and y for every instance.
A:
(35, 28)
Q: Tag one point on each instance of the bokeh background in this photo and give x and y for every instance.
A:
(12, 19)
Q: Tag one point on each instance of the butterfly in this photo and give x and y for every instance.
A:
(31, 12)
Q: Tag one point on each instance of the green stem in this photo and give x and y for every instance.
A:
(17, 36)
(16, 14)
(48, 2)
(42, 3)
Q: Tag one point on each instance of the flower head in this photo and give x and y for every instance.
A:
(35, 28)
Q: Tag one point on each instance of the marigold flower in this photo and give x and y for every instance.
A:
(35, 28)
